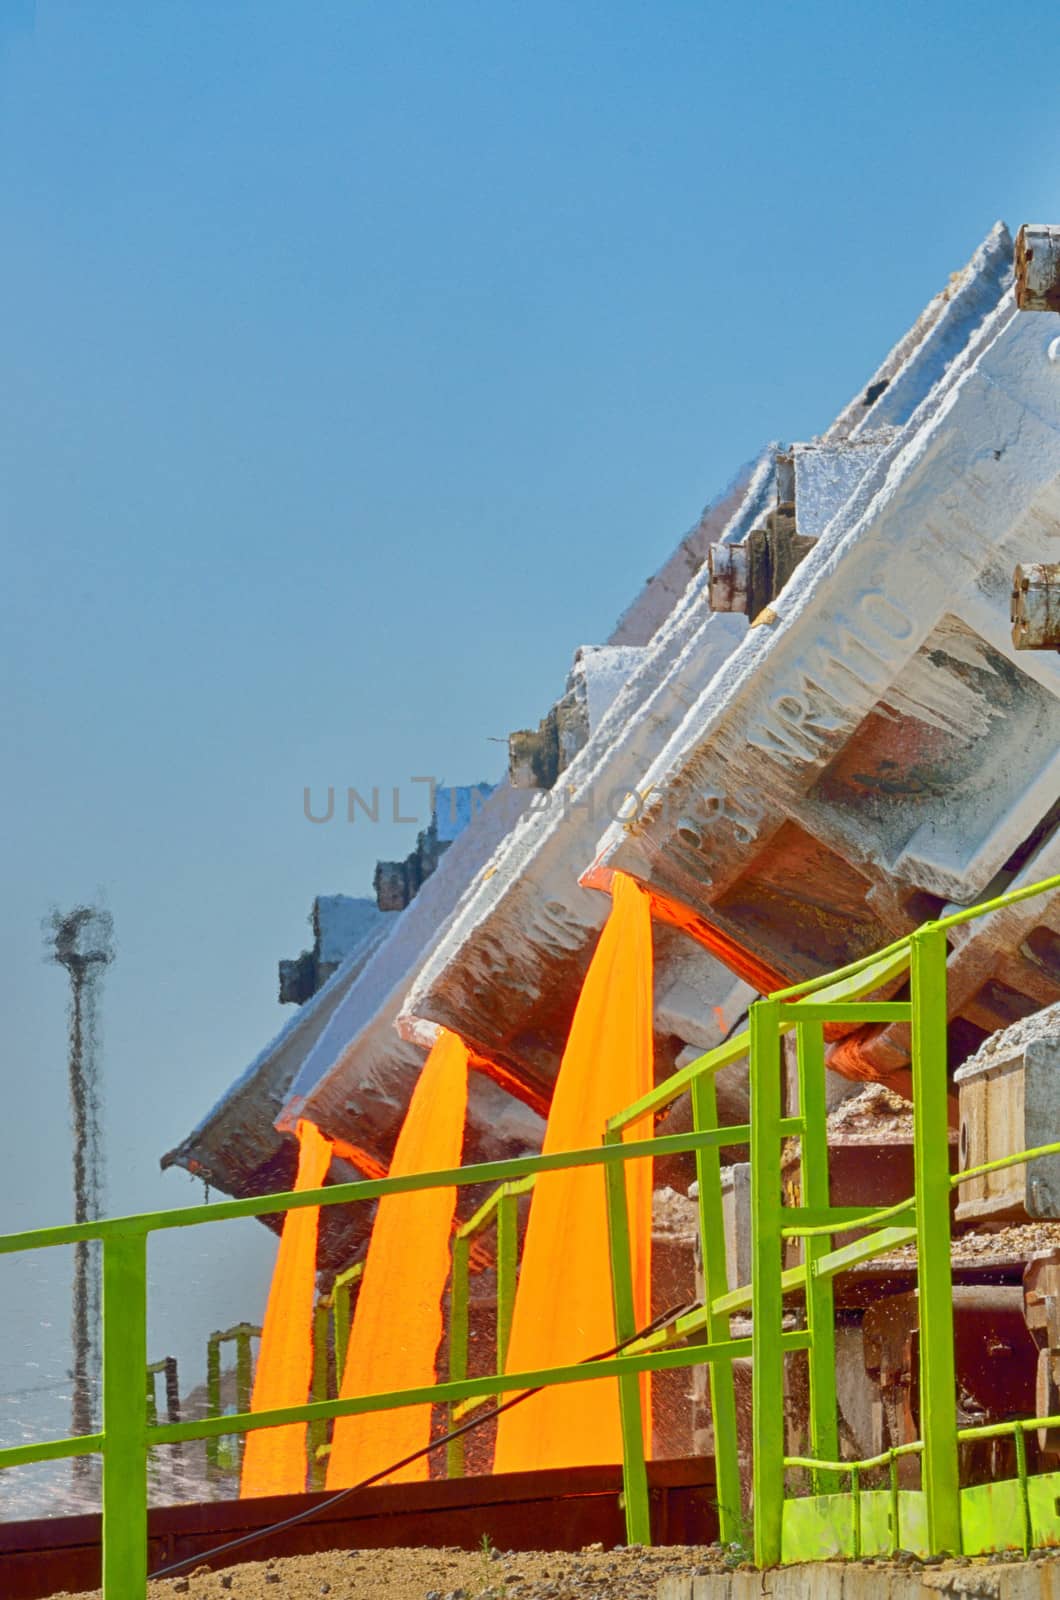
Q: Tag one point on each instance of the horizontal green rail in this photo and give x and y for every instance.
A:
(870, 1464)
(22, 1455)
(841, 1218)
(482, 1218)
(860, 1011)
(988, 1430)
(366, 1189)
(1004, 1161)
(360, 1405)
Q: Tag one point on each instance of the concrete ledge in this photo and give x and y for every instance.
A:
(852, 1580)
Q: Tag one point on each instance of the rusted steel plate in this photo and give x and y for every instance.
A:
(554, 1510)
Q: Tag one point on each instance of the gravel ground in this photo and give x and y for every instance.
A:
(592, 1574)
(449, 1574)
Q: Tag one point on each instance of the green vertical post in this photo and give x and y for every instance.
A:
(244, 1366)
(459, 1297)
(767, 1301)
(152, 1398)
(820, 1298)
(124, 1417)
(317, 1432)
(634, 1467)
(213, 1402)
(244, 1379)
(938, 1384)
(507, 1266)
(340, 1300)
(716, 1283)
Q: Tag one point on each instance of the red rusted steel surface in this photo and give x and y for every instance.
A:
(555, 1510)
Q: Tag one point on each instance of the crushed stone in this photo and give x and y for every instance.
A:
(595, 1573)
(1044, 1024)
(674, 1215)
(624, 1573)
(874, 1112)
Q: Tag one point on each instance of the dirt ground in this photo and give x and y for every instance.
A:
(449, 1574)
(592, 1574)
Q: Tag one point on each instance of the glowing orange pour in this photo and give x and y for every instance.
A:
(275, 1458)
(563, 1306)
(397, 1323)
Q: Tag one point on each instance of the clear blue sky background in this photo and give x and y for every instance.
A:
(359, 361)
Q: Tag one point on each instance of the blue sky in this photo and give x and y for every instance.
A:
(359, 361)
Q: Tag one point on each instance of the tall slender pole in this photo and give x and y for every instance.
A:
(81, 941)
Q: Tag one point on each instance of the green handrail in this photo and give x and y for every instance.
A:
(240, 1335)
(127, 1432)
(126, 1435)
(501, 1208)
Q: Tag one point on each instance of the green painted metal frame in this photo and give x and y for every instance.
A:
(240, 1335)
(501, 1209)
(331, 1338)
(127, 1434)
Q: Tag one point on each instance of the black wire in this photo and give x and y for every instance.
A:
(395, 1466)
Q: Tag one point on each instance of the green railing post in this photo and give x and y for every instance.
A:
(716, 1283)
(244, 1365)
(341, 1298)
(317, 1432)
(507, 1268)
(459, 1299)
(767, 1305)
(820, 1298)
(124, 1416)
(213, 1402)
(938, 1383)
(634, 1467)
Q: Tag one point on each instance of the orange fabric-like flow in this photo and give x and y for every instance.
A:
(563, 1309)
(747, 966)
(275, 1458)
(397, 1323)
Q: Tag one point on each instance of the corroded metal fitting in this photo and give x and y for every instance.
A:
(1035, 611)
(728, 566)
(1038, 267)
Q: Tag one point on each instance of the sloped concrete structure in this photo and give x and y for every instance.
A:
(341, 923)
(236, 1147)
(881, 748)
(507, 973)
(341, 1061)
(361, 1073)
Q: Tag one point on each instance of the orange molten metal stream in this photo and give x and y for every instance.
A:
(563, 1310)
(397, 1323)
(275, 1458)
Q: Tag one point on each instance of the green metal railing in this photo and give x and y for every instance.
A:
(217, 1463)
(780, 1531)
(784, 1528)
(332, 1315)
(499, 1210)
(126, 1435)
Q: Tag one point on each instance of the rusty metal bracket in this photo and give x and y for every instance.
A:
(1035, 609)
(1038, 267)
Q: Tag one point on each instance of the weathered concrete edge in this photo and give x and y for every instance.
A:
(848, 1580)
